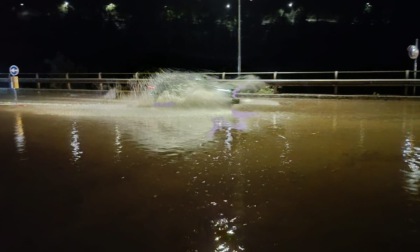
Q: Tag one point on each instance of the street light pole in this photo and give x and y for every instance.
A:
(239, 37)
(415, 61)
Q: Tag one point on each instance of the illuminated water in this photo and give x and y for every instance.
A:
(264, 175)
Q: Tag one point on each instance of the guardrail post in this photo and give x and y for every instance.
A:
(68, 83)
(223, 75)
(335, 86)
(38, 84)
(407, 74)
(275, 75)
(101, 85)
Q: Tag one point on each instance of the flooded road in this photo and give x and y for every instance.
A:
(264, 175)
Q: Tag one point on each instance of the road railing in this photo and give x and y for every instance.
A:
(335, 79)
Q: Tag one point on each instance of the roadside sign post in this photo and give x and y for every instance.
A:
(14, 79)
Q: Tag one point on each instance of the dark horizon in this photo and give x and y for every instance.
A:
(129, 36)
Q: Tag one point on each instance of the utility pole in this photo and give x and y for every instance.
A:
(415, 61)
(239, 38)
(413, 53)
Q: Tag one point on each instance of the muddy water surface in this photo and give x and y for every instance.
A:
(277, 175)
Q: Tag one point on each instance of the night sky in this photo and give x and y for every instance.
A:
(129, 36)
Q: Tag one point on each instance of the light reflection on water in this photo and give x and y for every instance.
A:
(19, 134)
(362, 134)
(411, 154)
(166, 131)
(225, 232)
(118, 143)
(75, 143)
(261, 179)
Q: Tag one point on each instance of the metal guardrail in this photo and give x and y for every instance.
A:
(334, 79)
(395, 74)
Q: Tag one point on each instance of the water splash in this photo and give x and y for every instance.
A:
(249, 83)
(189, 89)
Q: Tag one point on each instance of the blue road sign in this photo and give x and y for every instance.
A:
(14, 70)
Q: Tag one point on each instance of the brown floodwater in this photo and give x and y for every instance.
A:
(263, 175)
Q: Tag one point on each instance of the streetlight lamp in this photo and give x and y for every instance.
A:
(110, 7)
(239, 38)
(64, 7)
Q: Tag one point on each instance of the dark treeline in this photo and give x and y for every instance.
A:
(128, 36)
